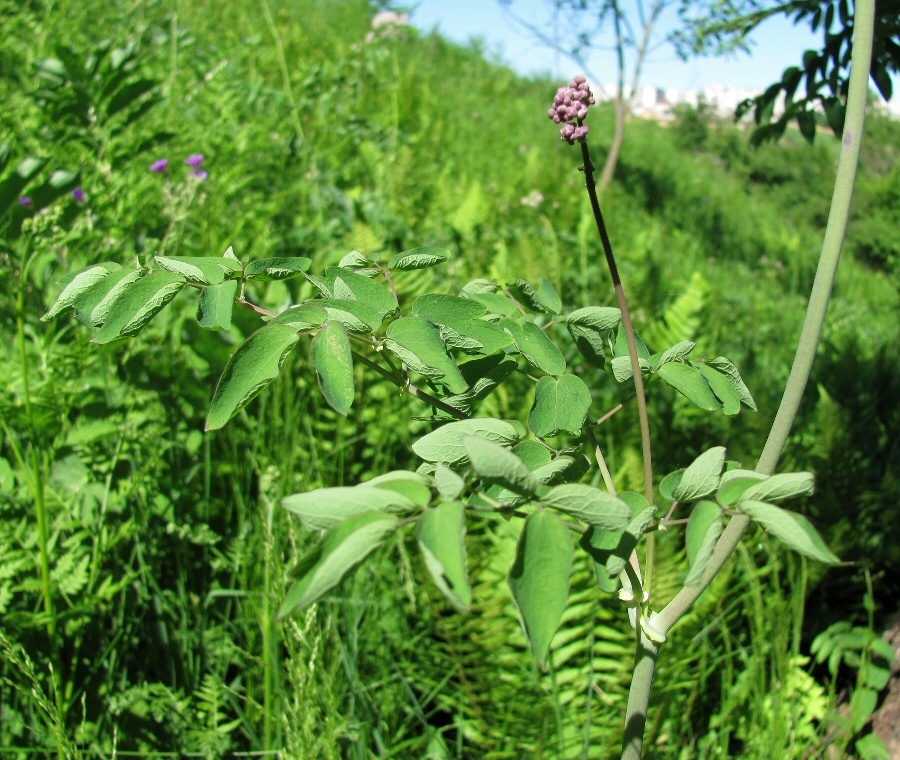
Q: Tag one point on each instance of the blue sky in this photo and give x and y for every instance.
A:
(778, 44)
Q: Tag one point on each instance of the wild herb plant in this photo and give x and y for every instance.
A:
(451, 352)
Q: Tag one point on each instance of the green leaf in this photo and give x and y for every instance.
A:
(562, 469)
(354, 315)
(590, 504)
(495, 464)
(341, 550)
(358, 263)
(418, 258)
(722, 387)
(535, 346)
(448, 483)
(688, 381)
(355, 287)
(138, 305)
(251, 368)
(727, 368)
(93, 305)
(495, 303)
(669, 483)
(539, 578)
(791, 529)
(442, 538)
(704, 528)
(445, 444)
(79, 284)
(785, 485)
(676, 353)
(306, 316)
(560, 405)
(202, 270)
(621, 345)
(417, 343)
(600, 544)
(331, 356)
(621, 367)
(701, 477)
(460, 323)
(633, 533)
(412, 485)
(600, 319)
(323, 508)
(732, 487)
(548, 297)
(215, 305)
(277, 268)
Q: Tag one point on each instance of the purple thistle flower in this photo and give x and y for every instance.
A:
(160, 166)
(78, 195)
(195, 161)
(25, 201)
(200, 174)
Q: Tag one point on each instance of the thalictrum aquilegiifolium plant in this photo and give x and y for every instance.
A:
(451, 351)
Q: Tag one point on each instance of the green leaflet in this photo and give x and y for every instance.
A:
(348, 285)
(535, 346)
(215, 305)
(704, 528)
(791, 529)
(201, 270)
(460, 323)
(92, 306)
(78, 284)
(441, 534)
(727, 368)
(341, 550)
(354, 315)
(448, 483)
(539, 578)
(722, 387)
(701, 477)
(732, 486)
(495, 464)
(675, 353)
(590, 504)
(137, 305)
(276, 268)
(445, 443)
(560, 405)
(785, 485)
(418, 258)
(306, 316)
(323, 508)
(688, 381)
(332, 358)
(417, 343)
(251, 368)
(412, 485)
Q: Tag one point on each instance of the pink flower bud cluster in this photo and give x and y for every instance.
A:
(570, 108)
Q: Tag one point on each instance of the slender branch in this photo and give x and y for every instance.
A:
(413, 390)
(626, 322)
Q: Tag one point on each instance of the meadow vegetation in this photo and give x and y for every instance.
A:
(142, 560)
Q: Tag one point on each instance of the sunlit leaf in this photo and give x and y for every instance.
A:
(442, 538)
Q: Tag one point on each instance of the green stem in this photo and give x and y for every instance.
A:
(810, 336)
(626, 321)
(643, 416)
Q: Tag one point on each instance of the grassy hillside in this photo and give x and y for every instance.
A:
(167, 553)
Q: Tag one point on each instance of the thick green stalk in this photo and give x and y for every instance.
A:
(810, 336)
